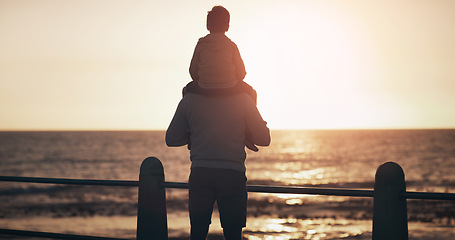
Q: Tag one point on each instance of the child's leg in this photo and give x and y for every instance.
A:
(250, 91)
(253, 94)
(187, 88)
(184, 91)
(190, 87)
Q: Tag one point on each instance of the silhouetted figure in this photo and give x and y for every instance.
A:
(216, 128)
(217, 68)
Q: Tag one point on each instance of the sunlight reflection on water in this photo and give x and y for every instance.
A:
(291, 228)
(285, 172)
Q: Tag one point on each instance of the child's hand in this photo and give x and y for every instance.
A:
(251, 146)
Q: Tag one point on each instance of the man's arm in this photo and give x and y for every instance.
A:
(177, 132)
(259, 133)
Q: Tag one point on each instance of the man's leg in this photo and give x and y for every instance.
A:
(232, 201)
(232, 234)
(201, 200)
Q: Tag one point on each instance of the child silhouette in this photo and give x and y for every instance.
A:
(217, 68)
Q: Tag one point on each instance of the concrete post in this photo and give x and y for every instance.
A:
(151, 209)
(390, 212)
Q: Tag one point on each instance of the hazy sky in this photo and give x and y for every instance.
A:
(111, 64)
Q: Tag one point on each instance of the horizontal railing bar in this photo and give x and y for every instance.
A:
(328, 191)
(251, 188)
(121, 183)
(294, 190)
(53, 235)
(429, 195)
(313, 191)
(180, 185)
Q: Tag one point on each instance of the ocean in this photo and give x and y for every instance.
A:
(310, 158)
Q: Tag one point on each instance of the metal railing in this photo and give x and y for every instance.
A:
(251, 188)
(389, 193)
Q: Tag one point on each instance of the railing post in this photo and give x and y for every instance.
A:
(151, 209)
(390, 213)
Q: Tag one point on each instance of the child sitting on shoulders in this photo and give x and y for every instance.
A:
(216, 67)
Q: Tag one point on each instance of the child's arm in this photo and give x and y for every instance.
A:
(238, 64)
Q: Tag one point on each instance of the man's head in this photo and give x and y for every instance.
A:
(218, 20)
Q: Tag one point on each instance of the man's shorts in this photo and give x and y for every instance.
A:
(226, 187)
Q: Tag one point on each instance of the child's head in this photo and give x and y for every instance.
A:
(218, 20)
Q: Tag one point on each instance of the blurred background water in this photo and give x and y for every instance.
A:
(316, 158)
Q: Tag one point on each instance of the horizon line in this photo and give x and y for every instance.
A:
(271, 129)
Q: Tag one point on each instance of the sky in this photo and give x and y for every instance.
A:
(322, 64)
